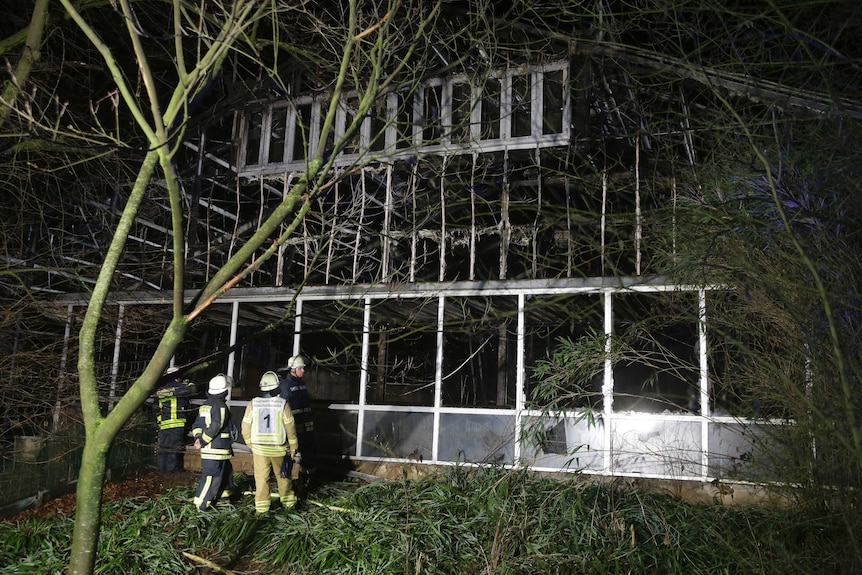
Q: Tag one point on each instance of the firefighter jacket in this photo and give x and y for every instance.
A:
(174, 404)
(214, 428)
(293, 389)
(268, 427)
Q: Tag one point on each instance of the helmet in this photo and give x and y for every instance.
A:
(218, 384)
(171, 369)
(268, 381)
(296, 361)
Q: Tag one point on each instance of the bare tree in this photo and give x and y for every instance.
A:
(366, 49)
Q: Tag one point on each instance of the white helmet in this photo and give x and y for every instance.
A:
(218, 384)
(296, 361)
(171, 369)
(268, 381)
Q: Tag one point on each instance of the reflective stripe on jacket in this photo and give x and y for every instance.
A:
(174, 409)
(213, 429)
(268, 427)
(175, 418)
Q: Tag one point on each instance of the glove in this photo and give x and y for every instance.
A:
(163, 393)
(286, 467)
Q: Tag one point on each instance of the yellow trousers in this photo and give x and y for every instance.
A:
(263, 466)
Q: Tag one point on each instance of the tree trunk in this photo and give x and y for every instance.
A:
(101, 431)
(88, 509)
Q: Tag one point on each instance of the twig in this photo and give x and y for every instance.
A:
(377, 25)
(208, 563)
(331, 507)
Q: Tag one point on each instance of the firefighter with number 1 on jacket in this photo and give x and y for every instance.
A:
(269, 431)
(213, 433)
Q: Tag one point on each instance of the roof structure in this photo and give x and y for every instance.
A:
(626, 80)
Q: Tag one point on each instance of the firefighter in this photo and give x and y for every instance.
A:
(174, 414)
(214, 434)
(293, 389)
(268, 429)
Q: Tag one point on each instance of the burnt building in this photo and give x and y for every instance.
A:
(493, 221)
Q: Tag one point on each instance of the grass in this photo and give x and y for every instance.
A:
(492, 521)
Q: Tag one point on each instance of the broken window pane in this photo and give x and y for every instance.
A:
(432, 127)
(620, 248)
(460, 217)
(564, 351)
(479, 351)
(569, 443)
(351, 105)
(331, 342)
(461, 109)
(379, 116)
(428, 217)
(404, 121)
(554, 98)
(301, 135)
(336, 431)
(657, 364)
(490, 112)
(208, 338)
(277, 135)
(522, 105)
(523, 179)
(741, 383)
(254, 130)
(403, 352)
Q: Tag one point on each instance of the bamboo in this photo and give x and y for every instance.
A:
(442, 273)
(332, 232)
(534, 233)
(359, 229)
(638, 223)
(208, 563)
(381, 366)
(472, 274)
(604, 217)
(502, 364)
(505, 229)
(414, 237)
(385, 272)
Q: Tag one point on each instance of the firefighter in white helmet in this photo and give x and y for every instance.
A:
(293, 389)
(268, 429)
(214, 433)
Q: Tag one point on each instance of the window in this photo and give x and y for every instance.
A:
(278, 135)
(432, 114)
(402, 355)
(522, 105)
(461, 117)
(490, 109)
(553, 102)
(508, 109)
(479, 351)
(331, 342)
(656, 360)
(254, 129)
